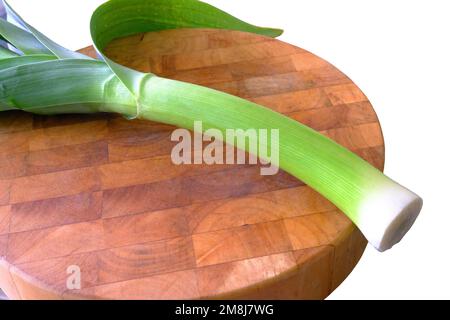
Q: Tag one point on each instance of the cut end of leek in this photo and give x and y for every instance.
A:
(388, 215)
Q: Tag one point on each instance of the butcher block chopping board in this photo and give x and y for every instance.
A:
(99, 194)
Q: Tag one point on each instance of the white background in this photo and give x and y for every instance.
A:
(398, 53)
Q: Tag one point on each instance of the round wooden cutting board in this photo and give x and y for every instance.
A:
(99, 194)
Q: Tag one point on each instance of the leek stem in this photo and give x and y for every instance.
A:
(380, 207)
(50, 79)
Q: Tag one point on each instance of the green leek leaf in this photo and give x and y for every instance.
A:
(90, 82)
(120, 18)
(21, 39)
(49, 45)
(5, 53)
(15, 60)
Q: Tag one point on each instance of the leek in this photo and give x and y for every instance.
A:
(49, 79)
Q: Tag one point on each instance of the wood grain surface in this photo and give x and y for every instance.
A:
(101, 192)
